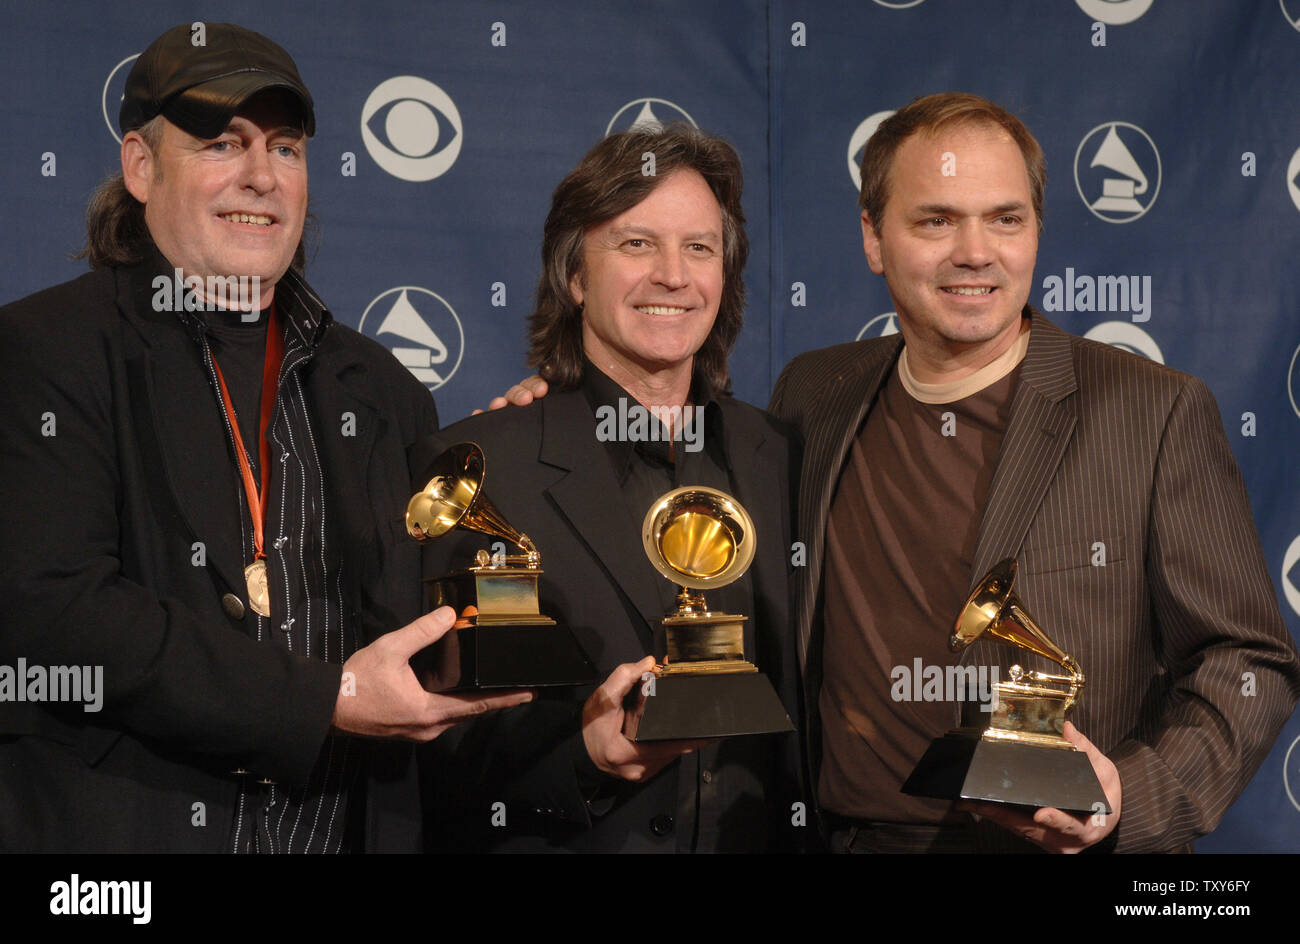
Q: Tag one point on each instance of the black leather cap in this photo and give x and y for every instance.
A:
(200, 88)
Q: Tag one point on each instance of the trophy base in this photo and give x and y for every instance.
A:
(503, 656)
(685, 707)
(964, 765)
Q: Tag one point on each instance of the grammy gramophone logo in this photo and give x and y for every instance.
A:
(1117, 171)
(420, 328)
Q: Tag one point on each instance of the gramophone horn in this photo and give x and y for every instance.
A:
(994, 609)
(454, 498)
(698, 537)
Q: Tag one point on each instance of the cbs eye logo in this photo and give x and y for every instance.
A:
(420, 127)
(110, 100)
(1127, 337)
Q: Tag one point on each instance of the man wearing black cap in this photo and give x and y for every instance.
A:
(204, 475)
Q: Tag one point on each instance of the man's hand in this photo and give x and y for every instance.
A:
(602, 730)
(521, 394)
(1056, 830)
(380, 696)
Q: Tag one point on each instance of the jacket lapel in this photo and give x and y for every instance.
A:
(744, 450)
(1041, 425)
(345, 424)
(830, 428)
(184, 439)
(606, 527)
(182, 436)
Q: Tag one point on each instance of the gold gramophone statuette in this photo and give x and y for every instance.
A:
(702, 539)
(1021, 757)
(501, 645)
(1031, 707)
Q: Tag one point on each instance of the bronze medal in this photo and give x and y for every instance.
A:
(259, 595)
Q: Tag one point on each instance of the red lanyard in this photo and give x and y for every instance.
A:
(270, 381)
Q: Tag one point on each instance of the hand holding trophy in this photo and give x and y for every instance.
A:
(701, 539)
(1022, 757)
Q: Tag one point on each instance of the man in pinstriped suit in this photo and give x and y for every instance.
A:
(985, 432)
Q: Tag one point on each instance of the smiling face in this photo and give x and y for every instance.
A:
(651, 281)
(957, 244)
(230, 206)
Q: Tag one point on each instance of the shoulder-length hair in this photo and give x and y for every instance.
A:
(610, 180)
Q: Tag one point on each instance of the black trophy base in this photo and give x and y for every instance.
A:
(962, 765)
(480, 657)
(705, 706)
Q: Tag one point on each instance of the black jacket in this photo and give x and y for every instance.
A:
(113, 464)
(553, 480)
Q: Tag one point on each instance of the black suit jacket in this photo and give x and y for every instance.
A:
(1104, 451)
(552, 479)
(114, 464)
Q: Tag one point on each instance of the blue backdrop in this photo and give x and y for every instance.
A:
(1171, 131)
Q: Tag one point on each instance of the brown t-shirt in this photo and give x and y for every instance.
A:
(899, 549)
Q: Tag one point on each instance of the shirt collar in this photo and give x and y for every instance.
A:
(296, 302)
(954, 390)
(602, 390)
(301, 308)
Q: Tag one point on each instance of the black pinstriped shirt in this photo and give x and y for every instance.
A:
(303, 575)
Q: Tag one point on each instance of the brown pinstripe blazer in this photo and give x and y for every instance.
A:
(1101, 446)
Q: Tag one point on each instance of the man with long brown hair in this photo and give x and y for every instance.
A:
(638, 306)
